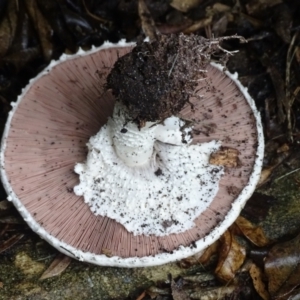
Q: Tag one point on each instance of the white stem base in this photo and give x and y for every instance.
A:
(136, 146)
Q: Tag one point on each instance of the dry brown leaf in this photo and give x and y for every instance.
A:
(282, 267)
(141, 296)
(154, 291)
(188, 262)
(257, 275)
(203, 257)
(265, 175)
(235, 230)
(1, 284)
(42, 27)
(221, 8)
(253, 233)
(147, 22)
(8, 27)
(3, 229)
(283, 22)
(220, 26)
(208, 252)
(198, 25)
(232, 256)
(283, 148)
(184, 5)
(59, 264)
(5, 245)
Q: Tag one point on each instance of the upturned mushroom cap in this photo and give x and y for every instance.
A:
(46, 135)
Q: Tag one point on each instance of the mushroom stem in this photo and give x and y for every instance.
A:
(134, 145)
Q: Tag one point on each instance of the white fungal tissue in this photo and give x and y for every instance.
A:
(162, 191)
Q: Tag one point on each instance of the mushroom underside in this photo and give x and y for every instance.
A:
(47, 134)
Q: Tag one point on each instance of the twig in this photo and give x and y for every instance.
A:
(289, 98)
(94, 16)
(173, 64)
(287, 174)
(141, 296)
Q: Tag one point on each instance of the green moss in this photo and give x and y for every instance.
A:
(283, 218)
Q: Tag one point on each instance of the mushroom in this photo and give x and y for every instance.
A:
(183, 172)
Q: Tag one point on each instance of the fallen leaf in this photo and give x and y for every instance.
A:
(42, 27)
(208, 253)
(189, 261)
(265, 175)
(3, 229)
(198, 25)
(257, 279)
(1, 284)
(232, 256)
(283, 148)
(220, 26)
(154, 291)
(220, 8)
(282, 267)
(170, 28)
(24, 33)
(8, 27)
(147, 22)
(253, 233)
(184, 5)
(203, 257)
(283, 22)
(52, 12)
(59, 264)
(141, 296)
(5, 245)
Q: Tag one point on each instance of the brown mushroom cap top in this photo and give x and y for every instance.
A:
(46, 136)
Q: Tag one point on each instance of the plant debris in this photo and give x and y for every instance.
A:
(282, 267)
(58, 265)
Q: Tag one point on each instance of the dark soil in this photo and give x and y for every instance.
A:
(157, 78)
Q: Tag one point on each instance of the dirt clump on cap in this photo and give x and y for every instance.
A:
(157, 78)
